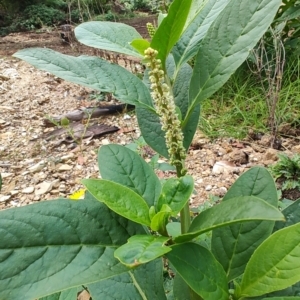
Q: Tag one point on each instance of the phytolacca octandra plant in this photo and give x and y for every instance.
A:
(105, 239)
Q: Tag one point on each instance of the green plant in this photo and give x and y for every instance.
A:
(61, 245)
(287, 170)
(77, 134)
(277, 48)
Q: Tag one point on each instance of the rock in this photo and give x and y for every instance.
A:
(126, 117)
(105, 142)
(208, 187)
(5, 175)
(221, 167)
(296, 149)
(14, 192)
(11, 73)
(271, 154)
(37, 167)
(14, 203)
(4, 198)
(68, 156)
(28, 190)
(65, 167)
(238, 156)
(222, 191)
(62, 188)
(44, 187)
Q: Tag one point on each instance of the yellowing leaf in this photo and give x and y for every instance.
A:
(78, 194)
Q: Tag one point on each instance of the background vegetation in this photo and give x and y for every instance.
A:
(33, 14)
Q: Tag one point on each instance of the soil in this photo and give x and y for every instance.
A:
(35, 169)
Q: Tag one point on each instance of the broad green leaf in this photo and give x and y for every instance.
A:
(120, 199)
(227, 44)
(200, 270)
(170, 28)
(150, 126)
(290, 292)
(234, 210)
(196, 7)
(109, 36)
(180, 288)
(189, 43)
(181, 96)
(274, 265)
(245, 237)
(92, 72)
(170, 68)
(144, 282)
(140, 45)
(70, 294)
(55, 245)
(291, 214)
(123, 166)
(174, 229)
(176, 193)
(141, 249)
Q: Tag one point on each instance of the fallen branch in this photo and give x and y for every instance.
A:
(89, 112)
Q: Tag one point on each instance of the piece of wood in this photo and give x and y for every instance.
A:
(78, 131)
(93, 112)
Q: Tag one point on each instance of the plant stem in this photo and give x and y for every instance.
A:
(185, 218)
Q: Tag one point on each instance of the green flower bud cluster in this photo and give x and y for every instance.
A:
(165, 108)
(151, 29)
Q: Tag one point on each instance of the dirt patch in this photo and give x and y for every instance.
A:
(34, 169)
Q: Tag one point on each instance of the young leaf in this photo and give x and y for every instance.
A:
(234, 210)
(59, 244)
(245, 236)
(109, 36)
(175, 193)
(227, 43)
(141, 249)
(160, 220)
(291, 214)
(123, 166)
(273, 267)
(189, 43)
(92, 72)
(140, 45)
(144, 282)
(170, 28)
(120, 199)
(200, 270)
